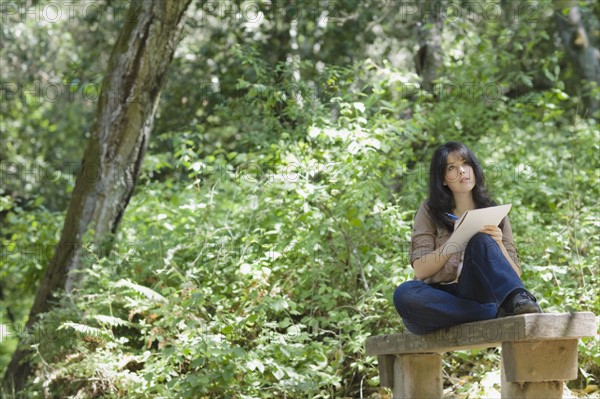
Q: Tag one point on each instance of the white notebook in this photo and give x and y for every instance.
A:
(470, 223)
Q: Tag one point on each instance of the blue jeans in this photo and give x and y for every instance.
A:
(487, 278)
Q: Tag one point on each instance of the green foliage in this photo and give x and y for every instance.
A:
(271, 225)
(261, 274)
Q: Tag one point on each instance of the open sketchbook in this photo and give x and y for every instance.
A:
(470, 223)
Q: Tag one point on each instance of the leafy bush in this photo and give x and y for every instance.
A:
(269, 230)
(261, 274)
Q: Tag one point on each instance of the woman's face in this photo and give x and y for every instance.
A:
(459, 175)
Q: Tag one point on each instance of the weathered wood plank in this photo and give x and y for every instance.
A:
(530, 390)
(535, 361)
(418, 376)
(488, 333)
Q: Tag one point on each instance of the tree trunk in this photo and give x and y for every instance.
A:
(428, 60)
(582, 53)
(112, 159)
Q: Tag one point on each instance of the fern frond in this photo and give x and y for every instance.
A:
(86, 331)
(145, 291)
(111, 321)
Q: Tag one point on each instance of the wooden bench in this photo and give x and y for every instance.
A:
(539, 353)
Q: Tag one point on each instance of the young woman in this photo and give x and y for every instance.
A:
(481, 283)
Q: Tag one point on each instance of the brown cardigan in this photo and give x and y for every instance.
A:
(427, 237)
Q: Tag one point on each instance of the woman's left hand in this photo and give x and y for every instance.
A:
(493, 231)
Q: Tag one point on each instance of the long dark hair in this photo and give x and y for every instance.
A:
(441, 201)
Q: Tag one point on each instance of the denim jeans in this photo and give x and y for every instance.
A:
(487, 278)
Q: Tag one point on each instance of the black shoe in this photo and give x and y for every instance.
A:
(521, 303)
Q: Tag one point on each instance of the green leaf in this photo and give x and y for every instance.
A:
(359, 106)
(85, 330)
(145, 291)
(111, 321)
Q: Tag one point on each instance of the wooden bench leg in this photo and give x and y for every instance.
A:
(418, 376)
(386, 370)
(537, 369)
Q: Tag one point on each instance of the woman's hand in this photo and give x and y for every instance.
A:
(493, 231)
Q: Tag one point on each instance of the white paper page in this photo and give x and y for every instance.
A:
(471, 222)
